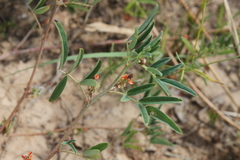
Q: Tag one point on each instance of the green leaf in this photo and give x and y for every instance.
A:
(95, 2)
(128, 129)
(132, 146)
(63, 37)
(40, 4)
(162, 117)
(147, 21)
(188, 45)
(100, 146)
(148, 92)
(170, 70)
(156, 40)
(71, 7)
(92, 154)
(159, 100)
(71, 141)
(134, 40)
(73, 148)
(144, 44)
(154, 71)
(64, 143)
(179, 86)
(145, 33)
(144, 113)
(156, 134)
(154, 48)
(78, 60)
(89, 82)
(140, 89)
(41, 10)
(162, 86)
(58, 90)
(129, 136)
(29, 2)
(161, 141)
(68, 142)
(133, 141)
(125, 98)
(94, 70)
(160, 62)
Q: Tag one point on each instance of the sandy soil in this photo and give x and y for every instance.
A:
(105, 120)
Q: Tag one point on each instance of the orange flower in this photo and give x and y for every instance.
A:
(28, 157)
(96, 76)
(128, 77)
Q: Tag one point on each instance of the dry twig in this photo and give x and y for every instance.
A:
(26, 91)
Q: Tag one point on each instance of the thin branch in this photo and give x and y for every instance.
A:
(25, 38)
(25, 93)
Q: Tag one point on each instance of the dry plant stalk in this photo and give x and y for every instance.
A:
(236, 106)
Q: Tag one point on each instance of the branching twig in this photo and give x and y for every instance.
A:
(85, 107)
(25, 93)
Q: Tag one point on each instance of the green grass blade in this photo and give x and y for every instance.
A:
(90, 55)
(63, 37)
(128, 129)
(188, 45)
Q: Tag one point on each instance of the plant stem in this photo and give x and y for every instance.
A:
(86, 106)
(84, 93)
(25, 93)
(70, 152)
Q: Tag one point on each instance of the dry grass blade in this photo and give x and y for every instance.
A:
(235, 106)
(203, 97)
(232, 27)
